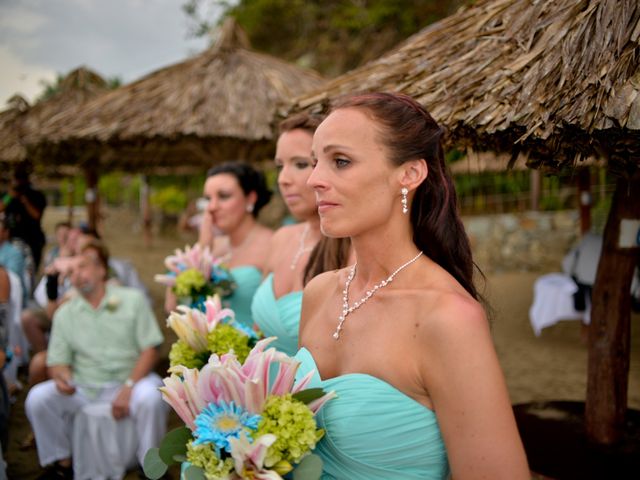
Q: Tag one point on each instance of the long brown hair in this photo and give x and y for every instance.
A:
(328, 254)
(409, 133)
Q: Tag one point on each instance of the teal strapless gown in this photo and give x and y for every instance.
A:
(374, 431)
(247, 278)
(278, 317)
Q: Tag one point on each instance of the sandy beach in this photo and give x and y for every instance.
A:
(552, 366)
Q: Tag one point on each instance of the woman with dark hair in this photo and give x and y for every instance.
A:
(277, 302)
(400, 336)
(236, 192)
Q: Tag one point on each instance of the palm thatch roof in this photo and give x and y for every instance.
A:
(559, 80)
(11, 149)
(216, 105)
(19, 121)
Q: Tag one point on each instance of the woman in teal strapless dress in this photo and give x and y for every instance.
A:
(400, 336)
(277, 302)
(235, 193)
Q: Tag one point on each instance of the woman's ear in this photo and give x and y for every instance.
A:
(413, 173)
(252, 198)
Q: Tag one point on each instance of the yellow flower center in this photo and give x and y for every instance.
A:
(226, 423)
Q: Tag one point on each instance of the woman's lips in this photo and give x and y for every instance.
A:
(324, 206)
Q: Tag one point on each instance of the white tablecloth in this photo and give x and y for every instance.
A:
(553, 301)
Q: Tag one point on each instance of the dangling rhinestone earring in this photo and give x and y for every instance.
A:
(404, 193)
(249, 208)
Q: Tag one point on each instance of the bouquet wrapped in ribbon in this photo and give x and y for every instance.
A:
(248, 420)
(194, 274)
(201, 333)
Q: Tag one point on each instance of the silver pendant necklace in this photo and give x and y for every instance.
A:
(346, 309)
(301, 248)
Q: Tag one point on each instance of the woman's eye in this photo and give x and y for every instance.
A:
(279, 166)
(224, 196)
(341, 162)
(302, 165)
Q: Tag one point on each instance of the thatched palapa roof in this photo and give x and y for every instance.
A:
(11, 149)
(216, 105)
(558, 79)
(20, 121)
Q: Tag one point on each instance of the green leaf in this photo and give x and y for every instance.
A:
(153, 466)
(194, 473)
(310, 468)
(309, 395)
(174, 443)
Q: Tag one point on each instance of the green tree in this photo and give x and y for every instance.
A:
(332, 36)
(49, 89)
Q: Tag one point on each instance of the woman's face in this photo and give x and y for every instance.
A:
(293, 160)
(355, 183)
(227, 202)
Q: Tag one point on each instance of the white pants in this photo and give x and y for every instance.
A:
(51, 414)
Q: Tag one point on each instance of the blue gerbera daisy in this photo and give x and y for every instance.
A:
(217, 423)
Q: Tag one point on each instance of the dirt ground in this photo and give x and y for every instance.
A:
(550, 367)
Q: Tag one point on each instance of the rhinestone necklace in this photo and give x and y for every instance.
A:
(301, 248)
(346, 309)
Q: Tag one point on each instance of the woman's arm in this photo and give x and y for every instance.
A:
(466, 385)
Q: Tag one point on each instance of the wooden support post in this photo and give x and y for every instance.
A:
(609, 331)
(584, 198)
(91, 197)
(534, 179)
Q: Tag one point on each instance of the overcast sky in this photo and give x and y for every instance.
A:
(123, 38)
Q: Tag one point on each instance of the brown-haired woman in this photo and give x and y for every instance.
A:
(400, 336)
(276, 304)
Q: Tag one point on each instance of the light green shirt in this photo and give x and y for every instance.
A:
(102, 345)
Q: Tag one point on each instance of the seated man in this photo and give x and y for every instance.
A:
(102, 349)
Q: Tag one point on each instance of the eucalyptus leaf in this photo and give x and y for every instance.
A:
(310, 468)
(174, 443)
(153, 466)
(309, 395)
(194, 473)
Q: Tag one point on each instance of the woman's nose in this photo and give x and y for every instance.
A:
(317, 178)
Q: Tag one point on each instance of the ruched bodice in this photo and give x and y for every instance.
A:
(278, 317)
(247, 278)
(374, 431)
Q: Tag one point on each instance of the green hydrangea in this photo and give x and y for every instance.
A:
(224, 338)
(189, 282)
(182, 354)
(293, 424)
(204, 456)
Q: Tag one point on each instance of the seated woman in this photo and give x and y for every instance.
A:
(236, 192)
(400, 336)
(277, 302)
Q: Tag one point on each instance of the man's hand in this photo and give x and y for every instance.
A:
(120, 405)
(64, 384)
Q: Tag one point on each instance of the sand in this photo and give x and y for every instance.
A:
(552, 366)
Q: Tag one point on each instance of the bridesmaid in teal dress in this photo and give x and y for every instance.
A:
(235, 192)
(400, 335)
(277, 302)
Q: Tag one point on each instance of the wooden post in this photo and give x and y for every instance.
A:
(609, 331)
(91, 197)
(534, 182)
(70, 200)
(145, 210)
(584, 198)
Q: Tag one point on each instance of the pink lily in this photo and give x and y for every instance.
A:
(249, 457)
(175, 395)
(214, 311)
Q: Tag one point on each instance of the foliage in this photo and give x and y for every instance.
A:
(331, 36)
(51, 88)
(169, 199)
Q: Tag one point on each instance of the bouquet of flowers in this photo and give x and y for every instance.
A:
(195, 274)
(246, 420)
(201, 333)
